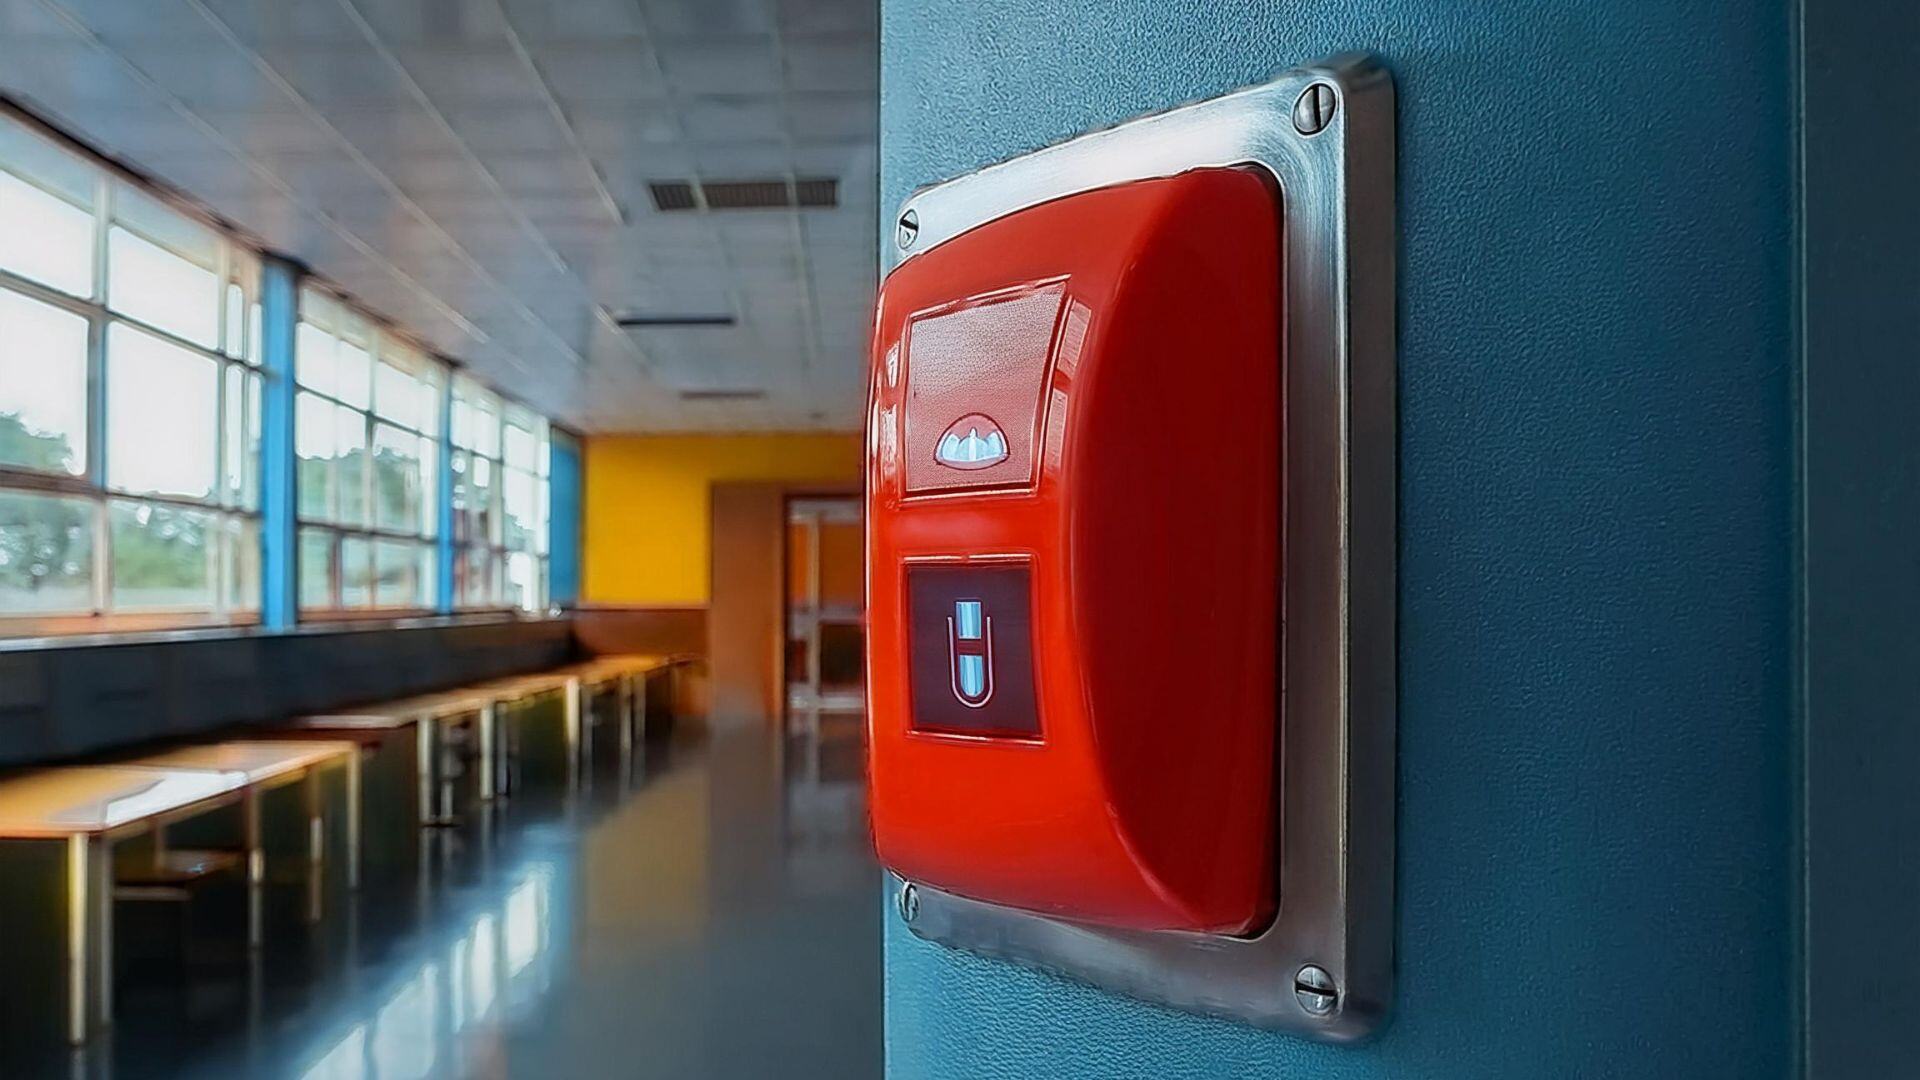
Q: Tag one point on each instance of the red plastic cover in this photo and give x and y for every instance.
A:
(1073, 557)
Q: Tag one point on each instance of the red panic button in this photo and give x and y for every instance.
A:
(1073, 561)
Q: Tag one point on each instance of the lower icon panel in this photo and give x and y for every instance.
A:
(971, 650)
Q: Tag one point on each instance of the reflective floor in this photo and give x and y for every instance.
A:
(716, 918)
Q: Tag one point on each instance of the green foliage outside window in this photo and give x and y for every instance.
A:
(43, 541)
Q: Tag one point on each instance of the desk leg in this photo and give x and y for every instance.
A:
(574, 707)
(310, 798)
(626, 720)
(426, 761)
(89, 936)
(503, 748)
(444, 774)
(509, 754)
(586, 734)
(489, 756)
(353, 819)
(640, 682)
(256, 864)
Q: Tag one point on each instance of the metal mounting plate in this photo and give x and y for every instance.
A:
(1326, 133)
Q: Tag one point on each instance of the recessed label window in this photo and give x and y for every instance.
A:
(972, 650)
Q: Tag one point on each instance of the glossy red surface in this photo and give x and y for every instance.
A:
(1127, 341)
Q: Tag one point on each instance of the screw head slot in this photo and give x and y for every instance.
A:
(909, 230)
(908, 902)
(1314, 109)
(1315, 990)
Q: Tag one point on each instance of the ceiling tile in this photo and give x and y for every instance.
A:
(547, 22)
(386, 130)
(733, 120)
(601, 72)
(819, 117)
(729, 66)
(845, 65)
(445, 23)
(524, 128)
(340, 75)
(471, 77)
(621, 123)
(857, 17)
(542, 174)
(710, 18)
(301, 24)
(742, 160)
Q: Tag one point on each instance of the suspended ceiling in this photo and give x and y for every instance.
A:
(478, 172)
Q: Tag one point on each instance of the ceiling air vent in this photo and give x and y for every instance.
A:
(772, 193)
(722, 395)
(639, 322)
(672, 195)
(823, 191)
(746, 194)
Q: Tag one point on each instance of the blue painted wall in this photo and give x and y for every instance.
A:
(1596, 769)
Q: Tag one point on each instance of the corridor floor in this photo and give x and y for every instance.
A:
(715, 916)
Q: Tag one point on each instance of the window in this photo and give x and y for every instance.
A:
(367, 452)
(500, 497)
(129, 402)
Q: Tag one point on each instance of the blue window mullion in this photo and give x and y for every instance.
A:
(564, 477)
(443, 566)
(279, 531)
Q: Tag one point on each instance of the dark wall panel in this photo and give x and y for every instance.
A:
(1861, 395)
(666, 631)
(67, 700)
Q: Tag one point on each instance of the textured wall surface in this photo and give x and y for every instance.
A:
(1596, 765)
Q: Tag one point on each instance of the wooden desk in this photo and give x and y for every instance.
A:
(266, 765)
(88, 808)
(579, 683)
(358, 727)
(430, 714)
(445, 703)
(97, 800)
(629, 674)
(371, 725)
(261, 761)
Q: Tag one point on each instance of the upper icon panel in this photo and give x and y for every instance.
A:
(975, 374)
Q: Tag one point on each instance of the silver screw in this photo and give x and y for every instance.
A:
(1315, 991)
(1314, 110)
(909, 230)
(909, 902)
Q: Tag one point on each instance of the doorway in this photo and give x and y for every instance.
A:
(826, 609)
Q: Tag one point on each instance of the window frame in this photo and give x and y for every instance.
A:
(246, 537)
(383, 344)
(228, 515)
(497, 551)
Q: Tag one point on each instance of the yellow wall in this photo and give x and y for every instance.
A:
(647, 511)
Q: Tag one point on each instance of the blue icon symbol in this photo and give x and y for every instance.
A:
(970, 647)
(972, 442)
